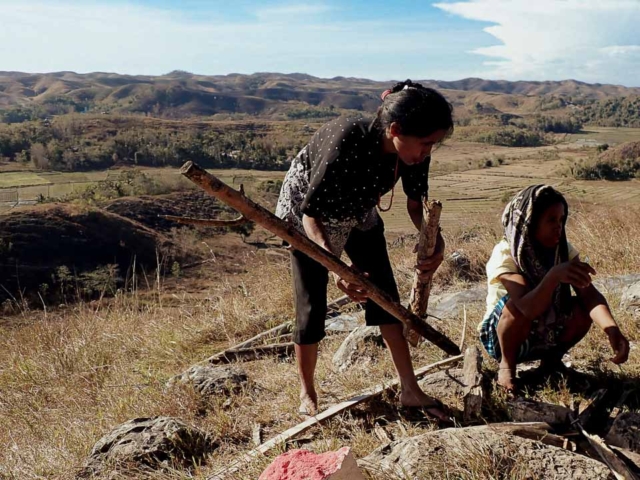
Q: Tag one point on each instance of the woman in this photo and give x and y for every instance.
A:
(531, 314)
(331, 193)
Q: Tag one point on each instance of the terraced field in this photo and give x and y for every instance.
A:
(458, 178)
(478, 192)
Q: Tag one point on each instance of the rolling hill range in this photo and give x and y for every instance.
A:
(181, 94)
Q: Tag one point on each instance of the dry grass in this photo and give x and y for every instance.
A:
(71, 374)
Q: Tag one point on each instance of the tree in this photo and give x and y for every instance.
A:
(39, 156)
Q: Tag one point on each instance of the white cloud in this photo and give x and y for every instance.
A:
(54, 35)
(590, 40)
(292, 11)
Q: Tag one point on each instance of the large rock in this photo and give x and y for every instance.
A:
(450, 305)
(481, 451)
(210, 381)
(345, 322)
(305, 465)
(149, 443)
(631, 298)
(354, 346)
(625, 432)
(447, 384)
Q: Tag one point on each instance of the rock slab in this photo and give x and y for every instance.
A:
(306, 465)
(353, 346)
(149, 443)
(211, 381)
(625, 432)
(482, 451)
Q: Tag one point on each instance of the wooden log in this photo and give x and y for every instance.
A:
(297, 240)
(615, 464)
(589, 407)
(419, 299)
(251, 353)
(522, 410)
(323, 416)
(538, 431)
(472, 370)
(207, 222)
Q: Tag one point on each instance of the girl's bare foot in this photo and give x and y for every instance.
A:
(308, 404)
(507, 379)
(419, 399)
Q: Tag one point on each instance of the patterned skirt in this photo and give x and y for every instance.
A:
(541, 340)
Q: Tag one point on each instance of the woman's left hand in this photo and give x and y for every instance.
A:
(428, 266)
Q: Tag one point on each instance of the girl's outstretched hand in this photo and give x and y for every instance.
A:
(574, 272)
(619, 345)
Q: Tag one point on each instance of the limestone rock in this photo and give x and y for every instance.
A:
(631, 298)
(444, 385)
(213, 381)
(450, 305)
(486, 453)
(354, 345)
(345, 322)
(149, 443)
(625, 432)
(305, 465)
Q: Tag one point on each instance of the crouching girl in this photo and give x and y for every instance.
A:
(531, 314)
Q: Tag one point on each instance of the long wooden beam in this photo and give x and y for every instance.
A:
(297, 240)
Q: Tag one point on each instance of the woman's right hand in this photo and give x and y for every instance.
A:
(574, 272)
(355, 291)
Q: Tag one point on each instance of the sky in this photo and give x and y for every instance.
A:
(595, 41)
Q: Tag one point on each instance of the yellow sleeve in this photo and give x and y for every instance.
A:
(501, 262)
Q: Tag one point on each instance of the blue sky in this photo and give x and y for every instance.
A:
(588, 40)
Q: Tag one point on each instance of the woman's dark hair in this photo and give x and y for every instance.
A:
(547, 198)
(418, 110)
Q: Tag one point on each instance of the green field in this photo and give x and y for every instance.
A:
(458, 178)
(610, 135)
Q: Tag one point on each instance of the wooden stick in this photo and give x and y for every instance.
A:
(251, 353)
(297, 240)
(611, 460)
(419, 299)
(277, 332)
(241, 220)
(473, 393)
(321, 417)
(590, 406)
(464, 328)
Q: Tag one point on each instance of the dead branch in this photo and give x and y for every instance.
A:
(241, 220)
(419, 299)
(251, 353)
(610, 459)
(297, 240)
(473, 393)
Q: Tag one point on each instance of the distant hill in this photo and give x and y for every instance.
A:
(181, 94)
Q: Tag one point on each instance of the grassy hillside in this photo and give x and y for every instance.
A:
(73, 373)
